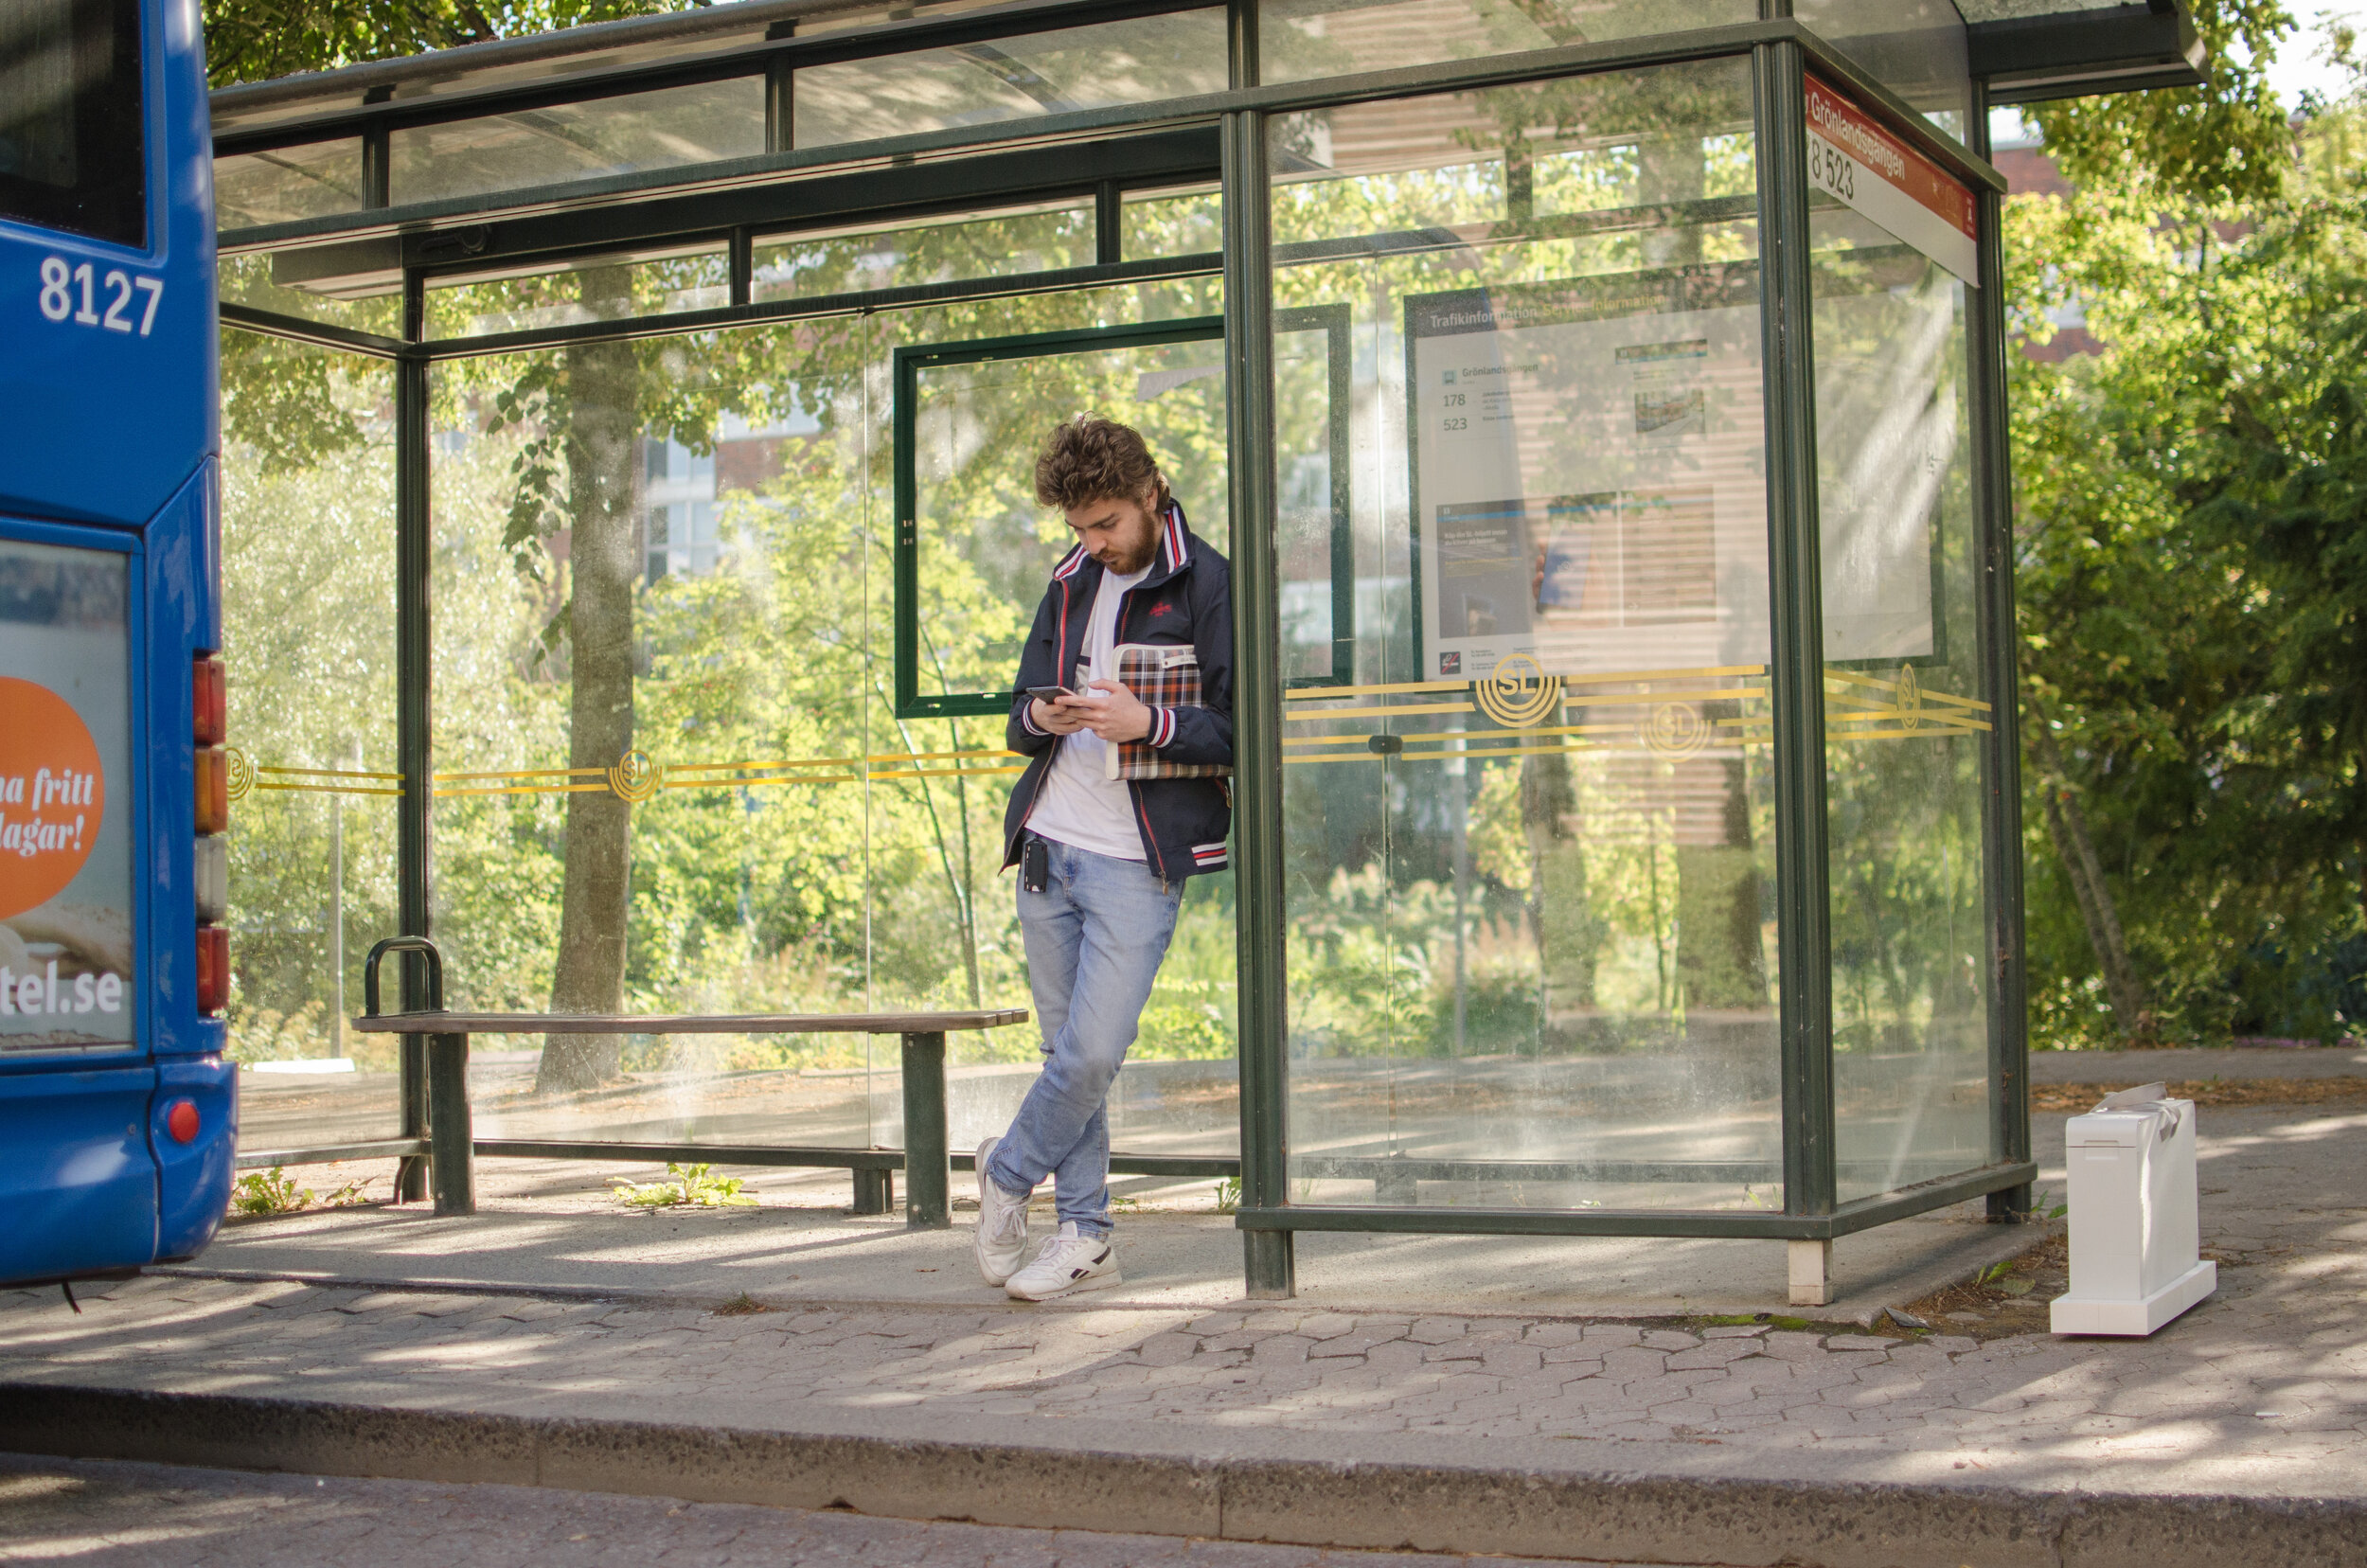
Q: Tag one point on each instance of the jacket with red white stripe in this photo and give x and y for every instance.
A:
(1188, 599)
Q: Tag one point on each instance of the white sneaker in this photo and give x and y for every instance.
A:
(1069, 1263)
(1002, 1235)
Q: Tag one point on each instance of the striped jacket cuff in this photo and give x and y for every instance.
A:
(1161, 728)
(1027, 719)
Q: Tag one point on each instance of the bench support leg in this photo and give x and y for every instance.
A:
(451, 1136)
(411, 1170)
(927, 1173)
(875, 1192)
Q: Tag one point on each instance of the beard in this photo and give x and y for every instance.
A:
(1144, 547)
(1134, 563)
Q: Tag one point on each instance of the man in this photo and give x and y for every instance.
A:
(1103, 858)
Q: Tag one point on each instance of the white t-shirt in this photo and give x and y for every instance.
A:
(1076, 804)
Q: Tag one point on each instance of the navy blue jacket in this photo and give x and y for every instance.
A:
(1186, 598)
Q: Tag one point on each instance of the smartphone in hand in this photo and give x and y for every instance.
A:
(1048, 693)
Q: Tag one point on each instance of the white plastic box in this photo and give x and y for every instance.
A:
(2134, 1235)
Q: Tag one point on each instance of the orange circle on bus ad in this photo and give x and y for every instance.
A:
(53, 794)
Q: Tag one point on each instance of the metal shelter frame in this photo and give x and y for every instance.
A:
(1221, 138)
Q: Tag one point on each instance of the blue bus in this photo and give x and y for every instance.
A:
(117, 1110)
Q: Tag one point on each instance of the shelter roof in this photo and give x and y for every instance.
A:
(2026, 49)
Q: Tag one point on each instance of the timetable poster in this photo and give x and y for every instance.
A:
(1587, 486)
(65, 798)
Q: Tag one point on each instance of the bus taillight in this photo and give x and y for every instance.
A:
(209, 704)
(210, 694)
(213, 970)
(213, 789)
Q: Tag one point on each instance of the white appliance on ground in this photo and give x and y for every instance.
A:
(2134, 1233)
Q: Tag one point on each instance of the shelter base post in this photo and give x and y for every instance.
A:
(1811, 1272)
(2010, 1206)
(875, 1192)
(1269, 1265)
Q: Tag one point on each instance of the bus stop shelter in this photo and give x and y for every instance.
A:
(628, 535)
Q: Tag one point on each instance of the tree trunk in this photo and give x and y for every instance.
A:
(2068, 826)
(1671, 169)
(1568, 935)
(1722, 961)
(603, 565)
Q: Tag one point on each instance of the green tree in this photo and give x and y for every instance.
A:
(2189, 517)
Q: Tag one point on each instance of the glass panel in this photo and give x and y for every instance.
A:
(1179, 1093)
(1902, 677)
(288, 184)
(603, 288)
(71, 151)
(667, 129)
(1531, 852)
(1137, 61)
(682, 548)
(1167, 222)
(1035, 239)
(1314, 523)
(256, 279)
(1299, 38)
(984, 546)
(425, 76)
(1916, 49)
(858, 18)
(308, 560)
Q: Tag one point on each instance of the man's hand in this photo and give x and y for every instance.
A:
(1061, 715)
(1113, 713)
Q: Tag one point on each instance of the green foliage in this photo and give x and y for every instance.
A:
(2225, 141)
(267, 1192)
(691, 1186)
(2193, 586)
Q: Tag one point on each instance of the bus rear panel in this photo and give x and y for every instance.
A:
(118, 1112)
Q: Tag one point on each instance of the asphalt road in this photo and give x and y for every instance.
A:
(104, 1514)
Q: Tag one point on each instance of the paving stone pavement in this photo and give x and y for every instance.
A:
(2262, 1390)
(102, 1514)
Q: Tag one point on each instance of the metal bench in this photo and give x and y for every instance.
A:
(452, 1147)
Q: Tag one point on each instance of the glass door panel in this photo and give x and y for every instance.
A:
(1531, 846)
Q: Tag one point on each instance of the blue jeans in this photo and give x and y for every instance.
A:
(1095, 938)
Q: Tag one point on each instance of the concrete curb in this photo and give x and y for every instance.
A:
(1442, 1508)
(1861, 1310)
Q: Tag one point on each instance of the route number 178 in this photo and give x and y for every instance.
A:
(79, 292)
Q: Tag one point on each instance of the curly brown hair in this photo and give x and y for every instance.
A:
(1090, 458)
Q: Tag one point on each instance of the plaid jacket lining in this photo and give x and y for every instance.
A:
(1164, 677)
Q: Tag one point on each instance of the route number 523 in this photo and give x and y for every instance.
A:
(79, 292)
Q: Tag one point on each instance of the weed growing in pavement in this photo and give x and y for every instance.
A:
(1754, 1320)
(1229, 1195)
(691, 1186)
(272, 1191)
(741, 1306)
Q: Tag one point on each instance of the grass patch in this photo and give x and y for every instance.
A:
(688, 1187)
